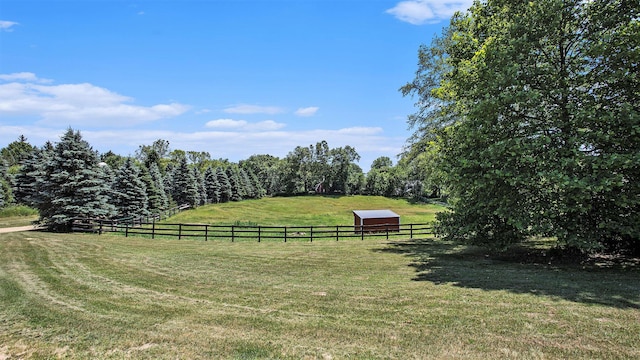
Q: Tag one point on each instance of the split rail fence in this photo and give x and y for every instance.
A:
(257, 233)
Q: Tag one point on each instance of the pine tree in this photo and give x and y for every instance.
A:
(225, 185)
(212, 187)
(130, 193)
(236, 186)
(158, 182)
(154, 196)
(202, 191)
(184, 185)
(72, 185)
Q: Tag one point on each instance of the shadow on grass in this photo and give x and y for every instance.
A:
(524, 271)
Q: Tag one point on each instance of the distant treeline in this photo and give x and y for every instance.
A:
(69, 179)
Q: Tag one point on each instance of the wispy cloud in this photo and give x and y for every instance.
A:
(23, 76)
(253, 109)
(76, 104)
(230, 124)
(418, 12)
(307, 111)
(7, 25)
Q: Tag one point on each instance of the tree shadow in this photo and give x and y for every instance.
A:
(603, 281)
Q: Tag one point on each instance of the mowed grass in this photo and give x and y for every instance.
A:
(304, 211)
(108, 297)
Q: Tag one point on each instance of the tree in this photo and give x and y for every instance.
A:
(523, 99)
(341, 160)
(17, 151)
(130, 192)
(185, 186)
(71, 184)
(225, 185)
(158, 199)
(212, 187)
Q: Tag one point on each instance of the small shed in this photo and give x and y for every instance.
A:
(375, 221)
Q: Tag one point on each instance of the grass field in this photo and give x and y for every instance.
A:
(110, 297)
(304, 210)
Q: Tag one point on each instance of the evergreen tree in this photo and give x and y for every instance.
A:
(130, 193)
(72, 184)
(211, 185)
(155, 202)
(158, 183)
(225, 185)
(167, 181)
(185, 185)
(202, 191)
(237, 190)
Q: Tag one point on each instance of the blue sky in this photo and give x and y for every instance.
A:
(233, 78)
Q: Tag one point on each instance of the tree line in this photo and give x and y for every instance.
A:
(69, 179)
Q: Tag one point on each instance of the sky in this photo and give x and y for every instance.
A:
(232, 78)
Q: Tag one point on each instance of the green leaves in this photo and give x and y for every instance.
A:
(541, 101)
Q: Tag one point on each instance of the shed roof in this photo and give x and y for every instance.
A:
(372, 214)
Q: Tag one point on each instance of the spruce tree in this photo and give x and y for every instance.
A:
(158, 183)
(184, 185)
(202, 191)
(72, 185)
(236, 186)
(130, 192)
(225, 185)
(212, 186)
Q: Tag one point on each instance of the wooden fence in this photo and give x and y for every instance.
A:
(235, 233)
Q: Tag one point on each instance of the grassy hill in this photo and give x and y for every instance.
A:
(304, 210)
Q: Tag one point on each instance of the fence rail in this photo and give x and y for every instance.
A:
(235, 233)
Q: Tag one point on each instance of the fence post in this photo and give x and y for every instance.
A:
(179, 231)
(206, 231)
(337, 232)
(311, 234)
(126, 230)
(259, 233)
(410, 231)
(233, 232)
(285, 234)
(361, 232)
(386, 227)
(100, 231)
(153, 229)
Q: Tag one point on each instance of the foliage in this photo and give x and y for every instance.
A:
(534, 107)
(16, 152)
(185, 186)
(130, 191)
(71, 184)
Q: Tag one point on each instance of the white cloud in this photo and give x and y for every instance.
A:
(267, 125)
(233, 144)
(226, 124)
(23, 76)
(418, 12)
(253, 109)
(307, 111)
(76, 104)
(7, 25)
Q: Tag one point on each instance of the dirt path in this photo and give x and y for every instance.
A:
(19, 228)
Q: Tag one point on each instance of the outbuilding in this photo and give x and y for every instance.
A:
(375, 221)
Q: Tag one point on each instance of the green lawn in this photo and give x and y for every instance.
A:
(81, 296)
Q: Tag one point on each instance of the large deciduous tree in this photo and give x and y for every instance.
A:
(534, 108)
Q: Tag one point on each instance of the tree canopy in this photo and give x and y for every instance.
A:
(533, 109)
